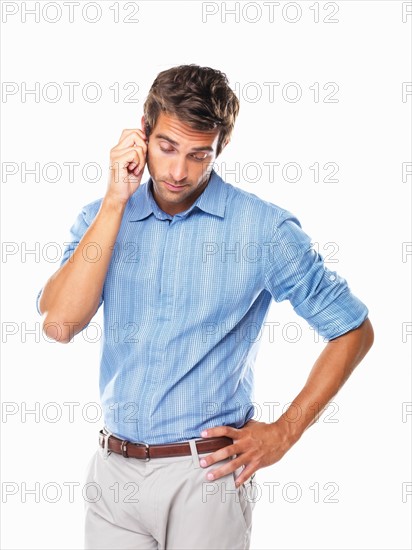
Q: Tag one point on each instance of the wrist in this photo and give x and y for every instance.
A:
(113, 204)
(287, 430)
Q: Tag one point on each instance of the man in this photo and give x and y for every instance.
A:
(166, 258)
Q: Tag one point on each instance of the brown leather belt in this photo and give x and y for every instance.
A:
(111, 443)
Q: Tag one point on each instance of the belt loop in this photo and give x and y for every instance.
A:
(106, 434)
(123, 448)
(193, 450)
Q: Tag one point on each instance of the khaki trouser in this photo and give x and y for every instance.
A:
(165, 503)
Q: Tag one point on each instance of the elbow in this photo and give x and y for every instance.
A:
(58, 331)
(368, 334)
(364, 338)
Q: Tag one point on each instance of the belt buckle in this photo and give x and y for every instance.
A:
(147, 451)
(123, 449)
(105, 433)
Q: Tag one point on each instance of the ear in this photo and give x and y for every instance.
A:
(143, 123)
(224, 145)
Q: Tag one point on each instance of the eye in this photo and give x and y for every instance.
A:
(200, 156)
(164, 150)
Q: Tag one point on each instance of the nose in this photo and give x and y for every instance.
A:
(178, 169)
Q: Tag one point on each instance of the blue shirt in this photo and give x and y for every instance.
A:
(185, 298)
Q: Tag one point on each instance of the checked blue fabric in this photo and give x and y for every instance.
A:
(185, 301)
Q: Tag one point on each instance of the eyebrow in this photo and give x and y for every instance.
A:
(170, 140)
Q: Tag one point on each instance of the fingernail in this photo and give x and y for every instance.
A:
(210, 476)
(204, 433)
(203, 462)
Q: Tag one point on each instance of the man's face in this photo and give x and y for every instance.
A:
(180, 160)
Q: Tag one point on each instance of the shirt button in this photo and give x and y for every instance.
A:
(332, 278)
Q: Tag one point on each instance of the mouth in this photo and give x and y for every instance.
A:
(173, 187)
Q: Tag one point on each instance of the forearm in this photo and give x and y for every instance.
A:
(330, 371)
(71, 296)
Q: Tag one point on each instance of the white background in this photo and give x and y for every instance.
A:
(361, 446)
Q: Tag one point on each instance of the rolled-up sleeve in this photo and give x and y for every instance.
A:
(77, 230)
(295, 271)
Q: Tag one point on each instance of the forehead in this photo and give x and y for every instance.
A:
(180, 132)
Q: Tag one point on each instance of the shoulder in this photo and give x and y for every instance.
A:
(252, 207)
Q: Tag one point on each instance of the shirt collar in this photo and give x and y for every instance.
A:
(212, 200)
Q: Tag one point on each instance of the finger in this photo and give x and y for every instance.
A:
(220, 454)
(120, 163)
(245, 474)
(125, 157)
(138, 167)
(135, 142)
(133, 155)
(137, 170)
(128, 144)
(226, 469)
(120, 151)
(134, 138)
(127, 132)
(133, 165)
(143, 134)
(218, 431)
(130, 141)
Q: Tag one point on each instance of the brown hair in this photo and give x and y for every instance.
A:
(198, 96)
